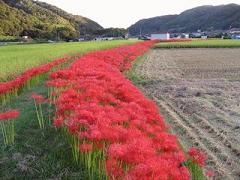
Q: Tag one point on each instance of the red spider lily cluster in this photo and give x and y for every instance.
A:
(11, 87)
(210, 173)
(38, 98)
(114, 124)
(7, 126)
(9, 115)
(197, 156)
(38, 101)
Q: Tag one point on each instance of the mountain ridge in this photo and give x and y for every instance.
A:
(205, 17)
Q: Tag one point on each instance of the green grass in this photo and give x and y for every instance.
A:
(37, 154)
(132, 74)
(214, 43)
(14, 59)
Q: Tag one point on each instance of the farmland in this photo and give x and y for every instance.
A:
(215, 43)
(159, 100)
(87, 120)
(198, 93)
(84, 124)
(14, 59)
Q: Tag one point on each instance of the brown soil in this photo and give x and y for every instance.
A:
(199, 89)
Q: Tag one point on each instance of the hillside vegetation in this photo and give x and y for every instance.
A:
(204, 17)
(41, 20)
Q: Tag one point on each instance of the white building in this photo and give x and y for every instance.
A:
(104, 38)
(25, 37)
(163, 36)
(204, 37)
(237, 37)
(185, 36)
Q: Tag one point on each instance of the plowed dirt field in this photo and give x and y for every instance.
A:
(198, 90)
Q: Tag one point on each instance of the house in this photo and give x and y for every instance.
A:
(184, 36)
(104, 38)
(126, 36)
(204, 37)
(160, 36)
(196, 35)
(180, 36)
(80, 39)
(236, 36)
(25, 37)
(235, 33)
(144, 37)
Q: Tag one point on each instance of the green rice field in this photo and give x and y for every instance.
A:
(220, 43)
(14, 59)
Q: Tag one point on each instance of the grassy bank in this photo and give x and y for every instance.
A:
(37, 154)
(14, 59)
(216, 43)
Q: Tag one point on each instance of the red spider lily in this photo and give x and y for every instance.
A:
(18, 82)
(13, 114)
(58, 121)
(7, 127)
(85, 148)
(197, 156)
(158, 168)
(100, 106)
(210, 173)
(114, 171)
(39, 99)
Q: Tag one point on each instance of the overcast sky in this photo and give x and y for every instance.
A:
(123, 13)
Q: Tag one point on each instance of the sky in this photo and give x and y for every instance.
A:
(123, 13)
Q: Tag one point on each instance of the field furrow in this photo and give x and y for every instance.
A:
(192, 137)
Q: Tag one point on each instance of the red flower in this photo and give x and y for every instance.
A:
(13, 114)
(100, 106)
(114, 171)
(58, 121)
(197, 156)
(210, 173)
(38, 98)
(85, 148)
(9, 86)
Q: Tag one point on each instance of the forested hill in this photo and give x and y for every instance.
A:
(41, 20)
(204, 17)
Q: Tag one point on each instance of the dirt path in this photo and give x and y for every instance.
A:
(200, 91)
